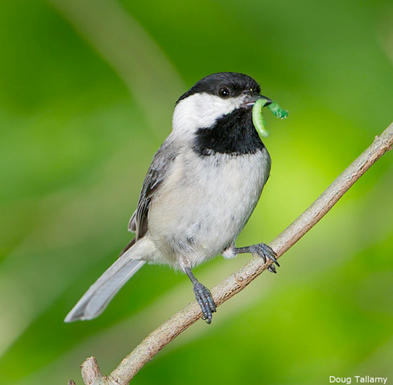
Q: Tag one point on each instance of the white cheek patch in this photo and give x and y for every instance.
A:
(202, 111)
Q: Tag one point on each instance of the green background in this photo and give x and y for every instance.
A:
(87, 89)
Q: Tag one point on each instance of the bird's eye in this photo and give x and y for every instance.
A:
(224, 92)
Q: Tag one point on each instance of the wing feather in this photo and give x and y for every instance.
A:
(158, 171)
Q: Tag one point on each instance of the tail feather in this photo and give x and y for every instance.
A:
(97, 298)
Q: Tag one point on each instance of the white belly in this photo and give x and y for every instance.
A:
(205, 204)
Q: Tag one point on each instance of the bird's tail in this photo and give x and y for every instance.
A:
(97, 298)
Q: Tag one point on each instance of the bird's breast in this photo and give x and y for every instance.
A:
(205, 203)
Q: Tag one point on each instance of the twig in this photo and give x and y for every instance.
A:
(169, 330)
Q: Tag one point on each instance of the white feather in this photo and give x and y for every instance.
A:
(201, 111)
(204, 204)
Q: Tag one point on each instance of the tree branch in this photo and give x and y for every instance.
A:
(169, 330)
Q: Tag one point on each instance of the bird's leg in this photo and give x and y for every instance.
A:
(261, 250)
(203, 296)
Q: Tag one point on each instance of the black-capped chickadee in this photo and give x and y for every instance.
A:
(199, 192)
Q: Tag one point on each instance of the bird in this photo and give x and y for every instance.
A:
(199, 192)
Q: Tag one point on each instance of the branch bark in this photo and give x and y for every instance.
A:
(169, 330)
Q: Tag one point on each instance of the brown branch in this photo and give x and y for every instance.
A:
(169, 330)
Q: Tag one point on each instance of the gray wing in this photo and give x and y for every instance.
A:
(157, 173)
(101, 293)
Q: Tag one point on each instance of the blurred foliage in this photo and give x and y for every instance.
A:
(79, 124)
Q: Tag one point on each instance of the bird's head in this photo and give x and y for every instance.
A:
(212, 98)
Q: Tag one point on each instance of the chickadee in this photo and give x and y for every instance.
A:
(199, 192)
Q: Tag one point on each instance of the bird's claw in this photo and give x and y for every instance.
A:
(205, 300)
(266, 252)
(272, 269)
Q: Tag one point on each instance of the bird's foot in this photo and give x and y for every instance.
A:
(205, 300)
(263, 251)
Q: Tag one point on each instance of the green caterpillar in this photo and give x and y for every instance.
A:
(257, 117)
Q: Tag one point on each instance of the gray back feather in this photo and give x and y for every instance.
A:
(157, 173)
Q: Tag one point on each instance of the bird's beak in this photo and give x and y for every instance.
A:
(250, 99)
